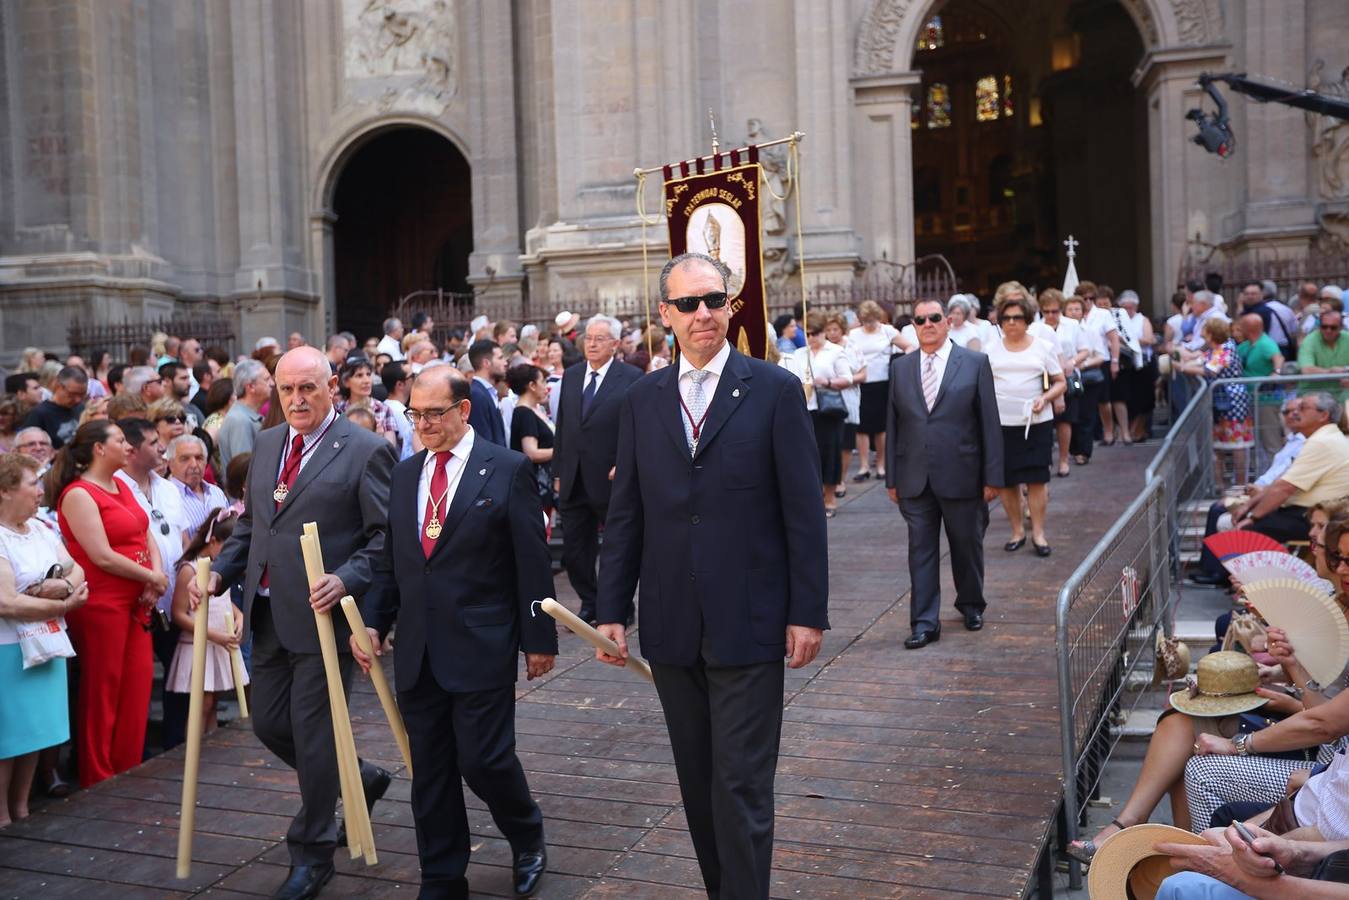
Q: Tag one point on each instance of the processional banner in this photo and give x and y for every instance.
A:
(712, 205)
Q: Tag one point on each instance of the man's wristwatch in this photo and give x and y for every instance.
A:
(1243, 744)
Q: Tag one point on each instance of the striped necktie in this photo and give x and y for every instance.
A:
(930, 379)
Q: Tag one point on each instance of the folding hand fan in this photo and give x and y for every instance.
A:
(1235, 543)
(1262, 564)
(1313, 621)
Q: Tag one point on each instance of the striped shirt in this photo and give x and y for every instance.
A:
(196, 507)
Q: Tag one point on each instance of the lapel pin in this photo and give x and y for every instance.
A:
(482, 471)
(735, 393)
(336, 445)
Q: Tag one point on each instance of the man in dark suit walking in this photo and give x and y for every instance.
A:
(943, 445)
(489, 365)
(716, 508)
(584, 451)
(318, 467)
(465, 559)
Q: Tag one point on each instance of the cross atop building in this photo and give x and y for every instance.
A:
(1071, 244)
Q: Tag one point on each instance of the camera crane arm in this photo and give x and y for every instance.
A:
(1215, 129)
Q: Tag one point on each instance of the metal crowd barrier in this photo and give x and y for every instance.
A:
(1127, 587)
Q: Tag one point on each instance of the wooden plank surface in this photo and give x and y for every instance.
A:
(903, 773)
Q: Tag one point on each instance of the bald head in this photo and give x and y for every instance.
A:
(305, 381)
(1252, 326)
(440, 378)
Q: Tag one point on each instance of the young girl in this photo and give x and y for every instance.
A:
(224, 625)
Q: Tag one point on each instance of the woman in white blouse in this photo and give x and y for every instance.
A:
(1066, 334)
(823, 366)
(836, 332)
(1027, 379)
(875, 341)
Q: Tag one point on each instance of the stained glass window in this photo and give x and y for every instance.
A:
(1007, 109)
(986, 105)
(932, 35)
(938, 105)
(915, 116)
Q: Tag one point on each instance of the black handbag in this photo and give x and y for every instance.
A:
(829, 403)
(1074, 381)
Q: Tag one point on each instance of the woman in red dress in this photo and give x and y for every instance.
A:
(108, 534)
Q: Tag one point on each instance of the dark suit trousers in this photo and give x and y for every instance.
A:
(725, 724)
(469, 735)
(581, 522)
(965, 521)
(292, 718)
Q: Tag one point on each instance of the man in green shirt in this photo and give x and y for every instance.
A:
(1260, 357)
(1326, 350)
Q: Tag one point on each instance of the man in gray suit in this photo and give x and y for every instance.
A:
(318, 467)
(943, 445)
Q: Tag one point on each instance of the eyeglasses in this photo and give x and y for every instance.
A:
(163, 522)
(1330, 327)
(173, 420)
(1011, 318)
(932, 319)
(154, 381)
(1292, 411)
(1334, 559)
(714, 300)
(432, 416)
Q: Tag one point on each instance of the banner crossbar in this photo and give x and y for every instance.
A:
(794, 137)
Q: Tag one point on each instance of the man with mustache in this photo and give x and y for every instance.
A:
(317, 467)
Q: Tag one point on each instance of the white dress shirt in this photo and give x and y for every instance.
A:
(600, 373)
(454, 471)
(713, 370)
(164, 506)
(392, 346)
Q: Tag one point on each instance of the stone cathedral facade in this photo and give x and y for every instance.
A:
(302, 164)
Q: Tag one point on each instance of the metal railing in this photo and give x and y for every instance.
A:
(1127, 587)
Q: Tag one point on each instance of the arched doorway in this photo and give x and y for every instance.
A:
(404, 222)
(1026, 127)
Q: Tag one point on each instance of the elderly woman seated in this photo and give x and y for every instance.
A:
(1204, 762)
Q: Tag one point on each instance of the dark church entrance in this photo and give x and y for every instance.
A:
(1027, 128)
(404, 223)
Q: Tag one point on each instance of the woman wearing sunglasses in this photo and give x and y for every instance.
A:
(823, 368)
(1027, 378)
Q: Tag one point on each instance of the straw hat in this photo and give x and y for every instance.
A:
(1170, 659)
(1226, 686)
(566, 321)
(1126, 866)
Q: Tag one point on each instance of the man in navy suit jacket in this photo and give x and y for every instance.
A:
(464, 560)
(716, 508)
(489, 365)
(584, 451)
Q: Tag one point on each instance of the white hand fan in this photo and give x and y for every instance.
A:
(1313, 621)
(1263, 564)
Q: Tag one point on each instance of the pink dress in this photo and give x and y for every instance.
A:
(219, 675)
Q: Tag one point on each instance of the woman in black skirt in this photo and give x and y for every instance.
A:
(826, 365)
(1027, 378)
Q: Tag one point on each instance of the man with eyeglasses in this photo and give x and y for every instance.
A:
(60, 415)
(1325, 350)
(1211, 571)
(143, 382)
(464, 562)
(163, 504)
(35, 442)
(716, 509)
(586, 446)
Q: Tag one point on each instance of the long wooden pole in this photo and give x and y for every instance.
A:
(360, 839)
(237, 667)
(400, 732)
(187, 816)
(597, 640)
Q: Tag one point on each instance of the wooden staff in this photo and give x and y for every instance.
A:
(236, 663)
(599, 641)
(360, 837)
(187, 816)
(400, 732)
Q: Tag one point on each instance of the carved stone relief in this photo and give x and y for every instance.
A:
(1330, 136)
(1141, 12)
(878, 36)
(401, 53)
(1198, 22)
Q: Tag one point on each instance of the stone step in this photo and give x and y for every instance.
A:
(1140, 725)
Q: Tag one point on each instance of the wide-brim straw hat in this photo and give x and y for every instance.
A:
(1170, 659)
(1126, 866)
(1225, 685)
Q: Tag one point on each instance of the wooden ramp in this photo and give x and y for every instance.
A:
(903, 773)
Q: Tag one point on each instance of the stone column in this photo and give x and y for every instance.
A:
(883, 181)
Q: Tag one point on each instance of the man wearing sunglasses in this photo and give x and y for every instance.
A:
(716, 509)
(944, 442)
(1325, 350)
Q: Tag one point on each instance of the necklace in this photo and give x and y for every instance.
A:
(433, 527)
(282, 489)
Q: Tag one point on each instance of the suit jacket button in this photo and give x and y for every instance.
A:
(426, 571)
(695, 520)
(693, 577)
(273, 532)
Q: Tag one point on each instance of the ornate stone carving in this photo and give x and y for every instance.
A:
(1330, 136)
(878, 36)
(1198, 22)
(773, 162)
(401, 53)
(1141, 12)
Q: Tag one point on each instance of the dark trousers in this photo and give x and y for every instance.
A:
(292, 718)
(965, 520)
(1089, 417)
(725, 724)
(174, 729)
(469, 736)
(581, 523)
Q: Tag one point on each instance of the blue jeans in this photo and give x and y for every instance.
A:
(1193, 886)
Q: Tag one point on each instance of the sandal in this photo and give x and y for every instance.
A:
(860, 477)
(1083, 851)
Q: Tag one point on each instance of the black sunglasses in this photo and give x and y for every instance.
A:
(1011, 318)
(714, 300)
(1334, 559)
(934, 318)
(159, 517)
(174, 420)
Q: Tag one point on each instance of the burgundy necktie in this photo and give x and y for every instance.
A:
(434, 497)
(289, 472)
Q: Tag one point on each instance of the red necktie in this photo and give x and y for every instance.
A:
(289, 472)
(439, 481)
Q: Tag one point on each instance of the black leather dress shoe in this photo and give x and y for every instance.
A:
(374, 784)
(528, 868)
(304, 882)
(974, 621)
(922, 639)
